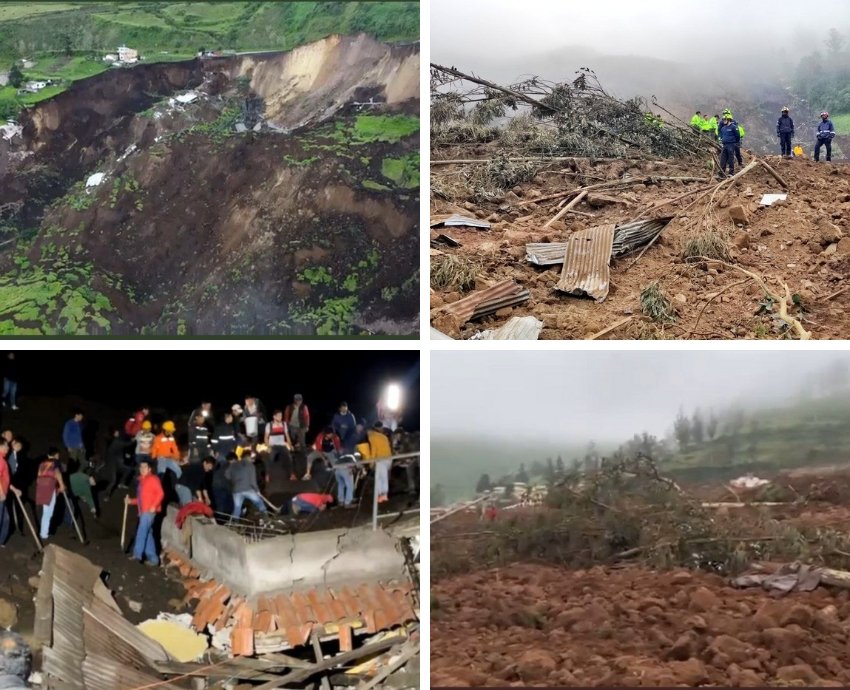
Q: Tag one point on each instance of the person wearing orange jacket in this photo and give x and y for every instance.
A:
(164, 451)
(149, 500)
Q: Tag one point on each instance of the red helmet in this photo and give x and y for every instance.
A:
(824, 114)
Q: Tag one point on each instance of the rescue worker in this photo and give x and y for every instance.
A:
(48, 485)
(5, 489)
(205, 410)
(164, 451)
(826, 132)
(742, 132)
(199, 439)
(713, 125)
(730, 137)
(149, 499)
(144, 442)
(380, 448)
(242, 476)
(785, 132)
(72, 437)
(224, 439)
(297, 417)
(279, 443)
(310, 503)
(697, 121)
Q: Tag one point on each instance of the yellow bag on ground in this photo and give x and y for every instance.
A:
(798, 150)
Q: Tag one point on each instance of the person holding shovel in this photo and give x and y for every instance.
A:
(149, 500)
(48, 485)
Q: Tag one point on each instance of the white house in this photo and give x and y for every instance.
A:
(127, 55)
(111, 57)
(34, 86)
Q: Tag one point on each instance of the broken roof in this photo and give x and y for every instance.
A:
(462, 221)
(586, 265)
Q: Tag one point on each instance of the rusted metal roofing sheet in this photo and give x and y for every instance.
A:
(627, 238)
(517, 328)
(462, 221)
(102, 673)
(586, 265)
(487, 301)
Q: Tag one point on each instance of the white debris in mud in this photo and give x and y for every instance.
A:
(187, 97)
(770, 199)
(95, 179)
(240, 127)
(9, 130)
(748, 482)
(130, 149)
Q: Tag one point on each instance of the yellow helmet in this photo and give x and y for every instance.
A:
(168, 427)
(146, 425)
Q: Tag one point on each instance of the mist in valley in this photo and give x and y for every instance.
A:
(492, 411)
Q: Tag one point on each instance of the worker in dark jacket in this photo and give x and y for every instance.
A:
(224, 441)
(730, 138)
(785, 132)
(826, 132)
(199, 440)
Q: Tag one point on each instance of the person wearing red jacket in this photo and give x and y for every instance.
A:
(149, 501)
(5, 489)
(310, 503)
(297, 417)
(134, 425)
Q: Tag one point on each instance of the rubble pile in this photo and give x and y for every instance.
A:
(760, 255)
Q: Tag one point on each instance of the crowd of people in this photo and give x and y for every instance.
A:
(731, 134)
(219, 467)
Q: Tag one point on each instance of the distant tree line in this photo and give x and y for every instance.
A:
(823, 77)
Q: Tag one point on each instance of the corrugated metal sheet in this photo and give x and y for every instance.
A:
(545, 253)
(84, 618)
(586, 265)
(627, 238)
(630, 236)
(484, 302)
(102, 673)
(517, 328)
(457, 220)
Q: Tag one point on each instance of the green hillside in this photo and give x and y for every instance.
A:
(28, 29)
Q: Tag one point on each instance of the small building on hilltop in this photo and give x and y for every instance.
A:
(127, 55)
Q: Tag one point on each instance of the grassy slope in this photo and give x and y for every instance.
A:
(841, 122)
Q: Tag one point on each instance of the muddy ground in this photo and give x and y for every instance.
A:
(801, 242)
(532, 624)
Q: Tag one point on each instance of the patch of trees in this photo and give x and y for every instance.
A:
(823, 77)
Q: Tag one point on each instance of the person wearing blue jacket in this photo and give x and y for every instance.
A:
(730, 137)
(826, 132)
(72, 437)
(785, 132)
(344, 425)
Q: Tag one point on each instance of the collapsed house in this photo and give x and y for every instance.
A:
(337, 606)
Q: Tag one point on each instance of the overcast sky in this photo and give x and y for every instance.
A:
(606, 396)
(507, 38)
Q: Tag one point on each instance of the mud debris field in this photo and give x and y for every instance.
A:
(538, 625)
(801, 242)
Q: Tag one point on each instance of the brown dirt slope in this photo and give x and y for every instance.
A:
(802, 242)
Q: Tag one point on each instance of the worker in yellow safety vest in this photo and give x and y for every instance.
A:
(698, 121)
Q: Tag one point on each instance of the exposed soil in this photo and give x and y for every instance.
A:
(539, 625)
(801, 242)
(200, 230)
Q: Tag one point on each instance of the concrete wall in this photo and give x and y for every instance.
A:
(293, 561)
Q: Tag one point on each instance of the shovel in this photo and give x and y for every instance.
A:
(73, 517)
(124, 526)
(29, 523)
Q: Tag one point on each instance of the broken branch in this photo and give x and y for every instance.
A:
(566, 208)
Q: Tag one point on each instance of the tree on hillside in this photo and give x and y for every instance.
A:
(835, 41)
(591, 457)
(697, 427)
(682, 429)
(16, 77)
(735, 421)
(522, 475)
(711, 426)
(67, 41)
(438, 496)
(559, 467)
(483, 484)
(550, 471)
(538, 469)
(754, 438)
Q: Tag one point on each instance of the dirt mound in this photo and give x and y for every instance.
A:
(213, 215)
(801, 242)
(537, 625)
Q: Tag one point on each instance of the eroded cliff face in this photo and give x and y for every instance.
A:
(200, 227)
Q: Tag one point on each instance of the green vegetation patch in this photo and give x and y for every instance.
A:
(376, 186)
(384, 128)
(403, 171)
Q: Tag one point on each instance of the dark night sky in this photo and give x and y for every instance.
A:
(176, 381)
